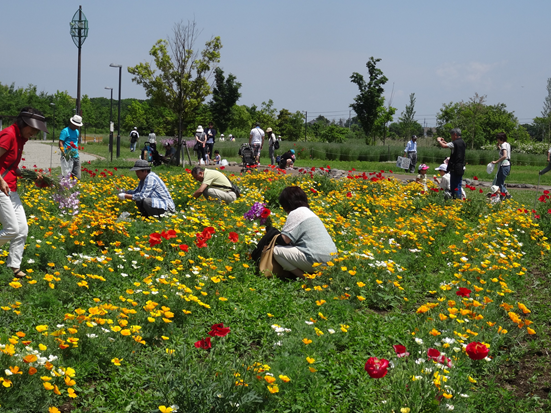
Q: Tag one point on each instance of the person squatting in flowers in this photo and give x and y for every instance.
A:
(12, 215)
(214, 185)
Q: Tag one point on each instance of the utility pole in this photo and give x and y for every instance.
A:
(305, 124)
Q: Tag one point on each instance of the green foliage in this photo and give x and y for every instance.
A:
(290, 125)
(225, 95)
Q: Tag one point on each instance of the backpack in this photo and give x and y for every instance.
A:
(133, 136)
(276, 145)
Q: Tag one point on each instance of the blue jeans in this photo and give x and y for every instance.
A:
(502, 174)
(133, 146)
(455, 185)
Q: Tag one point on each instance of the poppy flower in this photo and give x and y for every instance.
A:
(154, 239)
(204, 344)
(476, 350)
(349, 195)
(265, 213)
(200, 241)
(433, 354)
(463, 292)
(234, 236)
(400, 350)
(218, 330)
(184, 247)
(376, 368)
(475, 178)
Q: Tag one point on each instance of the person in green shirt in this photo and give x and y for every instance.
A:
(214, 185)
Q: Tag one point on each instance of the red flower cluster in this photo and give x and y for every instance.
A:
(435, 355)
(154, 239)
(400, 350)
(205, 344)
(217, 330)
(476, 350)
(376, 368)
(234, 236)
(463, 292)
(201, 238)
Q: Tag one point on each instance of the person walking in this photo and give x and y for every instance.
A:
(548, 167)
(134, 136)
(411, 152)
(256, 142)
(504, 167)
(456, 164)
(12, 214)
(68, 144)
(271, 145)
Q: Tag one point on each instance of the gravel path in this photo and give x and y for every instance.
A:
(42, 155)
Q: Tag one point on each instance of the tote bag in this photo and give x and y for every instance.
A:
(268, 266)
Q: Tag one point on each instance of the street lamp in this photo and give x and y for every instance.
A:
(53, 137)
(79, 33)
(119, 120)
(111, 124)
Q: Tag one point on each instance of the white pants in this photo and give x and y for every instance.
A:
(14, 227)
(220, 194)
(291, 258)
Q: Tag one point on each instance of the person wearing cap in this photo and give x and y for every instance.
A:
(231, 137)
(256, 141)
(134, 136)
(422, 177)
(411, 153)
(68, 143)
(211, 138)
(151, 195)
(456, 164)
(504, 164)
(493, 197)
(214, 185)
(271, 145)
(12, 214)
(287, 160)
(201, 142)
(444, 181)
(222, 139)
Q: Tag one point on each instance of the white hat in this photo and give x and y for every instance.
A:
(199, 129)
(135, 128)
(442, 167)
(76, 120)
(494, 189)
(221, 135)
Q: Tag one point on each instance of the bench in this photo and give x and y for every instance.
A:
(89, 139)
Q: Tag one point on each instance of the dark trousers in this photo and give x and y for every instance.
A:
(455, 185)
(147, 210)
(201, 153)
(412, 161)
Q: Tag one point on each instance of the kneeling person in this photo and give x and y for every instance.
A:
(151, 196)
(214, 184)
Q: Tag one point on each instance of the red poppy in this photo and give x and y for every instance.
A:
(349, 195)
(200, 241)
(475, 178)
(313, 190)
(546, 192)
(265, 213)
(542, 198)
(209, 230)
(184, 247)
(218, 330)
(463, 292)
(73, 145)
(222, 167)
(433, 354)
(376, 368)
(154, 239)
(400, 350)
(480, 190)
(204, 344)
(234, 237)
(444, 361)
(476, 350)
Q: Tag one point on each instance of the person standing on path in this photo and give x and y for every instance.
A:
(134, 136)
(68, 143)
(201, 141)
(12, 214)
(271, 145)
(456, 164)
(411, 153)
(211, 138)
(548, 167)
(504, 161)
(256, 141)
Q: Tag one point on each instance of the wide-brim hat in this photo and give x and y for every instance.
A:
(269, 130)
(141, 165)
(76, 120)
(199, 129)
(221, 135)
(34, 120)
(494, 189)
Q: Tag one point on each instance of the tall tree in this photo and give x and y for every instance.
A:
(368, 102)
(225, 94)
(407, 118)
(182, 84)
(290, 125)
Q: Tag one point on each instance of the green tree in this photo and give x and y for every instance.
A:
(182, 82)
(267, 115)
(407, 118)
(225, 95)
(290, 125)
(368, 102)
(241, 121)
(136, 117)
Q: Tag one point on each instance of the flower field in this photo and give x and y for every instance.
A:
(136, 315)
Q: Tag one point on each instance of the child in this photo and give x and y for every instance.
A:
(217, 158)
(422, 177)
(207, 155)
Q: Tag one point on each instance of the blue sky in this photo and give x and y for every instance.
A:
(298, 53)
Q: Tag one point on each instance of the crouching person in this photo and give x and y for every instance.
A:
(214, 185)
(306, 238)
(151, 196)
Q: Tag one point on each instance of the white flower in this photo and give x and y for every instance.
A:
(30, 261)
(456, 349)
(464, 395)
(488, 359)
(331, 331)
(450, 406)
(123, 274)
(8, 372)
(309, 323)
(419, 361)
(91, 335)
(418, 341)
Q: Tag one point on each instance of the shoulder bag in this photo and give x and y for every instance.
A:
(268, 265)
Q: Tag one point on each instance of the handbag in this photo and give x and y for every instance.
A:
(268, 266)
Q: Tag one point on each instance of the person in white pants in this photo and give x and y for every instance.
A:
(12, 215)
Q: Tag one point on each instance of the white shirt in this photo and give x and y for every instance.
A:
(505, 147)
(257, 135)
(152, 138)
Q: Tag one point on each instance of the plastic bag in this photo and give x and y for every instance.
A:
(201, 162)
(66, 166)
(490, 168)
(224, 162)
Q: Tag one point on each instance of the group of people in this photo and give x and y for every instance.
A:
(256, 142)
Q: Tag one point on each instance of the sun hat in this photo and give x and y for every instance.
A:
(76, 120)
(269, 130)
(140, 165)
(34, 120)
(442, 167)
(292, 151)
(199, 129)
(494, 189)
(490, 168)
(221, 135)
(423, 167)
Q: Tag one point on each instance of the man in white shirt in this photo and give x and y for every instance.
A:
(411, 153)
(256, 141)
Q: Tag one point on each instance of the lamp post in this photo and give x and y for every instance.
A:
(79, 33)
(53, 137)
(111, 124)
(119, 119)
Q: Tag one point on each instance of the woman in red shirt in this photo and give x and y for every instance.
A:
(12, 214)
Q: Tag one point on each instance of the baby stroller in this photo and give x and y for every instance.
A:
(150, 154)
(247, 156)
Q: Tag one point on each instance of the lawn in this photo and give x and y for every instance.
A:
(123, 315)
